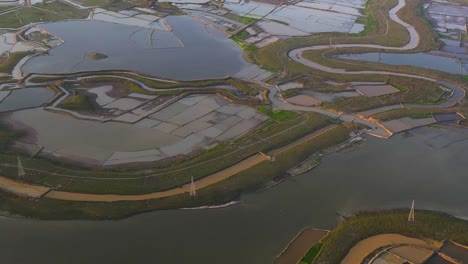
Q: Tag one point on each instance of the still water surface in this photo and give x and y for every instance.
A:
(429, 166)
(191, 51)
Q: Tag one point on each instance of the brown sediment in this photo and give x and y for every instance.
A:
(369, 245)
(204, 182)
(22, 189)
(296, 250)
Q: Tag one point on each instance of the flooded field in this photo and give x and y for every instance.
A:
(24, 98)
(191, 51)
(379, 174)
(191, 123)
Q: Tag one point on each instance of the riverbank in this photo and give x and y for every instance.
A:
(429, 225)
(428, 161)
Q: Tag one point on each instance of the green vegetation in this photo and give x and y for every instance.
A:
(8, 65)
(397, 113)
(41, 12)
(277, 115)
(97, 56)
(399, 87)
(7, 137)
(428, 225)
(4, 7)
(101, 3)
(275, 55)
(369, 22)
(171, 173)
(244, 46)
(39, 37)
(78, 103)
(311, 254)
(222, 192)
(113, 5)
(243, 19)
(417, 91)
(421, 116)
(435, 102)
(245, 87)
(241, 35)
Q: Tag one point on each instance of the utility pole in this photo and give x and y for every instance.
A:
(21, 171)
(193, 190)
(411, 214)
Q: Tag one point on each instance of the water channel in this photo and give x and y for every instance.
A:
(428, 165)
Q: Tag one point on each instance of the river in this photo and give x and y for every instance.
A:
(428, 165)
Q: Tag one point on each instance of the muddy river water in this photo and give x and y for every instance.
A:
(428, 165)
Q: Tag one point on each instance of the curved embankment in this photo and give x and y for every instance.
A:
(297, 55)
(35, 191)
(365, 247)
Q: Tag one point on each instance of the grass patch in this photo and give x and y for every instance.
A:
(435, 102)
(3, 8)
(245, 47)
(399, 87)
(428, 225)
(41, 12)
(311, 254)
(241, 35)
(244, 20)
(397, 113)
(7, 137)
(421, 116)
(417, 91)
(277, 115)
(97, 56)
(13, 59)
(245, 87)
(78, 103)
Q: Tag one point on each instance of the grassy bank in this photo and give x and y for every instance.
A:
(394, 114)
(243, 86)
(77, 103)
(428, 225)
(13, 59)
(167, 174)
(312, 254)
(247, 181)
(277, 115)
(41, 12)
(415, 91)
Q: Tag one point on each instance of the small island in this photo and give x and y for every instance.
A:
(97, 56)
